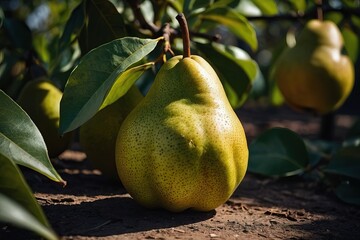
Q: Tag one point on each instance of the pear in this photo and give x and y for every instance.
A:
(313, 75)
(98, 135)
(40, 98)
(183, 146)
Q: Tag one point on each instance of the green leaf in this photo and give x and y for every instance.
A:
(268, 7)
(103, 23)
(278, 152)
(298, 5)
(21, 141)
(235, 69)
(255, 7)
(91, 80)
(346, 161)
(73, 25)
(124, 82)
(349, 191)
(19, 33)
(233, 20)
(17, 203)
(351, 42)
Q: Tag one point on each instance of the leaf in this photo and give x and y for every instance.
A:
(21, 141)
(298, 5)
(124, 82)
(268, 7)
(73, 25)
(17, 203)
(278, 152)
(103, 23)
(346, 161)
(234, 67)
(91, 80)
(255, 7)
(349, 191)
(19, 33)
(233, 20)
(351, 43)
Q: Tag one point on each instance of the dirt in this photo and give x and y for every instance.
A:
(92, 207)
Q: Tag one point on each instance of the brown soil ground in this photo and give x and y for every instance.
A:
(91, 207)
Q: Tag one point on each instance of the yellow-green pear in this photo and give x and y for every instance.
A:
(183, 146)
(40, 98)
(314, 75)
(98, 135)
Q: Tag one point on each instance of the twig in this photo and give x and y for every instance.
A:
(135, 6)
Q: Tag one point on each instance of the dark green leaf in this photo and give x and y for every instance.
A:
(15, 192)
(73, 25)
(349, 191)
(346, 161)
(21, 141)
(234, 21)
(191, 5)
(19, 34)
(298, 5)
(103, 24)
(235, 69)
(91, 80)
(351, 42)
(278, 152)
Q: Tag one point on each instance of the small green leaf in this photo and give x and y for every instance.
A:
(103, 24)
(351, 43)
(278, 152)
(21, 141)
(92, 79)
(268, 7)
(349, 191)
(17, 203)
(233, 20)
(235, 68)
(346, 161)
(124, 82)
(73, 25)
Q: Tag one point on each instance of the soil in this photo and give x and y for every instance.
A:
(92, 207)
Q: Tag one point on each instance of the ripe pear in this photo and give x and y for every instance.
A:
(98, 135)
(313, 75)
(40, 98)
(183, 146)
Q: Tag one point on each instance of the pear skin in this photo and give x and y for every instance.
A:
(183, 146)
(40, 98)
(313, 75)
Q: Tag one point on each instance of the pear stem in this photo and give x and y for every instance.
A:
(185, 34)
(319, 10)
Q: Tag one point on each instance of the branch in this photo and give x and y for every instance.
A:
(135, 6)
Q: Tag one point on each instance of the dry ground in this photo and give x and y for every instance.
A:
(91, 207)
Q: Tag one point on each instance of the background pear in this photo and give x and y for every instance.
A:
(40, 98)
(98, 135)
(314, 75)
(183, 139)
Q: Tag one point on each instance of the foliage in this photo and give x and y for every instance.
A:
(21, 143)
(95, 50)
